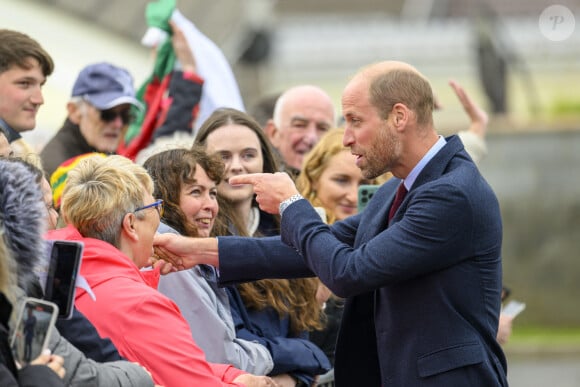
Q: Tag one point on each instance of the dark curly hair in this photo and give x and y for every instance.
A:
(170, 171)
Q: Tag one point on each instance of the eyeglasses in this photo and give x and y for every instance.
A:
(111, 115)
(158, 205)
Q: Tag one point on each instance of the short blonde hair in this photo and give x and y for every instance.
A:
(100, 191)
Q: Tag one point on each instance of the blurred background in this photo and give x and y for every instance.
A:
(519, 59)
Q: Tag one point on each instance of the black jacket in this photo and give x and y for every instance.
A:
(67, 142)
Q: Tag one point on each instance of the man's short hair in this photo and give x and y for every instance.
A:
(402, 86)
(100, 191)
(17, 48)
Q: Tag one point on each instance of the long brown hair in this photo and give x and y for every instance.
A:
(294, 298)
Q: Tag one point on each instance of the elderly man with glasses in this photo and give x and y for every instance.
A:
(108, 205)
(100, 110)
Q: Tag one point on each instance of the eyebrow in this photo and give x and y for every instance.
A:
(294, 119)
(30, 78)
(298, 118)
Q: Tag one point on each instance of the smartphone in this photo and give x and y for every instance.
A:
(34, 325)
(365, 193)
(63, 269)
(513, 308)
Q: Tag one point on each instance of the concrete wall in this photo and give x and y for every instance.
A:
(537, 180)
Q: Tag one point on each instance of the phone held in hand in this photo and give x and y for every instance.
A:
(59, 273)
(513, 308)
(34, 324)
(365, 193)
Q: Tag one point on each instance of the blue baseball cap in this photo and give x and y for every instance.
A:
(105, 86)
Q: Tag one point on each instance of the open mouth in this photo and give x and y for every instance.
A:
(204, 221)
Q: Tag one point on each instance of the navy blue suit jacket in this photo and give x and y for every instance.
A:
(423, 291)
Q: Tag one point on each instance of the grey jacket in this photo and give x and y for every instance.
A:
(206, 308)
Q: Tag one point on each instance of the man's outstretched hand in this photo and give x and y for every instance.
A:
(185, 252)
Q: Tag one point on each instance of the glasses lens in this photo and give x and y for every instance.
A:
(111, 115)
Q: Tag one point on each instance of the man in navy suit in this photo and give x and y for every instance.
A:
(423, 288)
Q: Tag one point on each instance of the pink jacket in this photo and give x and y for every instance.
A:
(145, 326)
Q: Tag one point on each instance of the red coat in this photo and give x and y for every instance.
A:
(145, 326)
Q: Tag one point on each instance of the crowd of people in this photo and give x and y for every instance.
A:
(230, 251)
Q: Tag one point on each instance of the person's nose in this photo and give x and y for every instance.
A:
(236, 164)
(118, 122)
(209, 203)
(37, 98)
(311, 135)
(352, 193)
(347, 138)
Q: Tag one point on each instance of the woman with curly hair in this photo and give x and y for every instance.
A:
(186, 180)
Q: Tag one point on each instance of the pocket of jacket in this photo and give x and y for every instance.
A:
(449, 358)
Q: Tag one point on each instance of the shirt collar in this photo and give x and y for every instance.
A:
(410, 180)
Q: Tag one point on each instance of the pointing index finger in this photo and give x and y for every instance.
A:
(251, 178)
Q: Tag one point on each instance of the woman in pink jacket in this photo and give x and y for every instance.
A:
(107, 204)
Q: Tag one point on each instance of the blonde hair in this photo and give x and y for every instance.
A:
(100, 191)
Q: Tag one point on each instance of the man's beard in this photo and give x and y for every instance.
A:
(382, 155)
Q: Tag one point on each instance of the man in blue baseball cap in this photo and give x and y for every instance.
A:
(99, 111)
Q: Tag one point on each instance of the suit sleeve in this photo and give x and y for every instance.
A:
(433, 234)
(244, 259)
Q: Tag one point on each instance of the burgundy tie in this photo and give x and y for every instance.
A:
(401, 192)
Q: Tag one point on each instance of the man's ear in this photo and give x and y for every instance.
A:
(128, 226)
(401, 115)
(273, 133)
(74, 112)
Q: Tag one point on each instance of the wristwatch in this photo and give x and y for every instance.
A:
(284, 204)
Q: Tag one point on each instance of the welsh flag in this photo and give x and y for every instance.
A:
(220, 86)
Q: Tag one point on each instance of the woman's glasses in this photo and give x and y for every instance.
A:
(158, 205)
